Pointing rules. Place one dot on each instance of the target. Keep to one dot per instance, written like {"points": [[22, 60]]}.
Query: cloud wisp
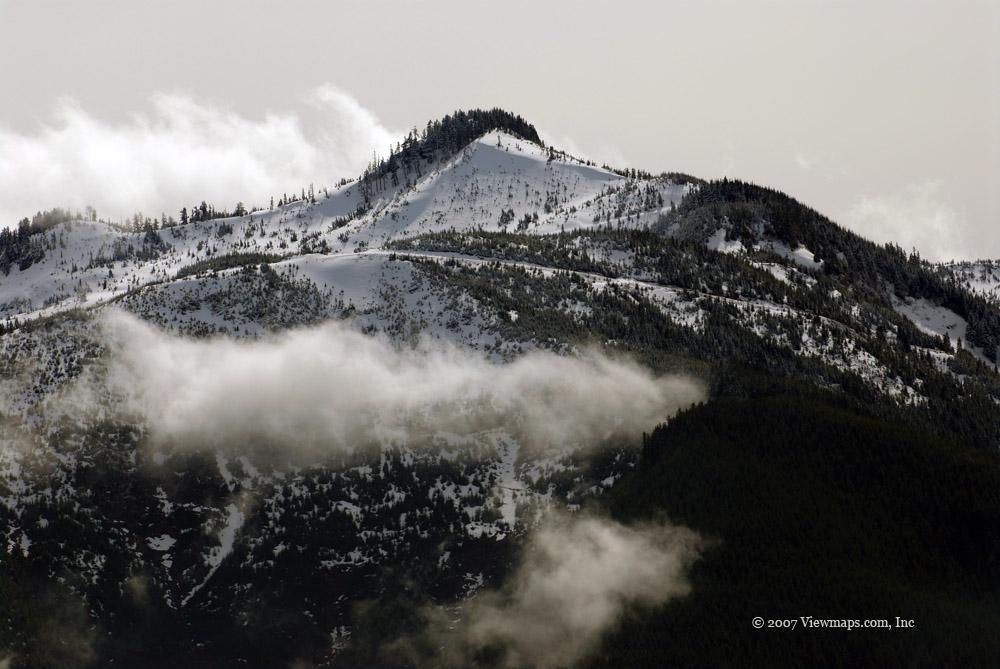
{"points": [[915, 217], [333, 388], [184, 151], [578, 576]]}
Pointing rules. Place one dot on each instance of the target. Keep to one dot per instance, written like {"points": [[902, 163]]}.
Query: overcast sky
{"points": [[883, 114]]}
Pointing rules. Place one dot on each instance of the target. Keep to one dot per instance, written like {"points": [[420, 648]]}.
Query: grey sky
{"points": [[884, 115]]}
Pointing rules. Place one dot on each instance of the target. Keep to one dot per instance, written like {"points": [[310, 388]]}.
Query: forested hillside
{"points": [[424, 416]]}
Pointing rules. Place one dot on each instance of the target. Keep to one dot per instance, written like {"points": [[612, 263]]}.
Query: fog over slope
{"points": [[579, 575], [330, 387]]}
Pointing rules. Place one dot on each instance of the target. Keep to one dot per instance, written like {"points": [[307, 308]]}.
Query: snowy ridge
{"points": [[89, 264]]}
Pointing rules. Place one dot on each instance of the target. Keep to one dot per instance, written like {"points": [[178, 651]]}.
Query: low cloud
{"points": [[182, 152], [330, 387], [915, 217], [605, 154], [579, 576]]}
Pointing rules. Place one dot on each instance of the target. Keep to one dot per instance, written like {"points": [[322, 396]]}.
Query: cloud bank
{"points": [[182, 152], [330, 387], [578, 577]]}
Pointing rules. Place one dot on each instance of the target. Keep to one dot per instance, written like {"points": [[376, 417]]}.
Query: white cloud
{"points": [[605, 154], [728, 164], [577, 578], [182, 152], [804, 163], [330, 387], [916, 216]]}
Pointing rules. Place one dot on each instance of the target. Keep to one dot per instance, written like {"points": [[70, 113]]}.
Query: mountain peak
{"points": [[447, 136], [462, 126]]}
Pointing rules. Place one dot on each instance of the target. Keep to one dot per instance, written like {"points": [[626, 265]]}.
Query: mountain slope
{"points": [[473, 242]]}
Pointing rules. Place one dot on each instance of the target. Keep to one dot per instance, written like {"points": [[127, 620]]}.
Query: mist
{"points": [[917, 216], [578, 577], [183, 151], [331, 388]]}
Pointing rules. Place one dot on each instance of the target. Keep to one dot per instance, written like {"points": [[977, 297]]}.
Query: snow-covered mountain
{"points": [[497, 183], [498, 249]]}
